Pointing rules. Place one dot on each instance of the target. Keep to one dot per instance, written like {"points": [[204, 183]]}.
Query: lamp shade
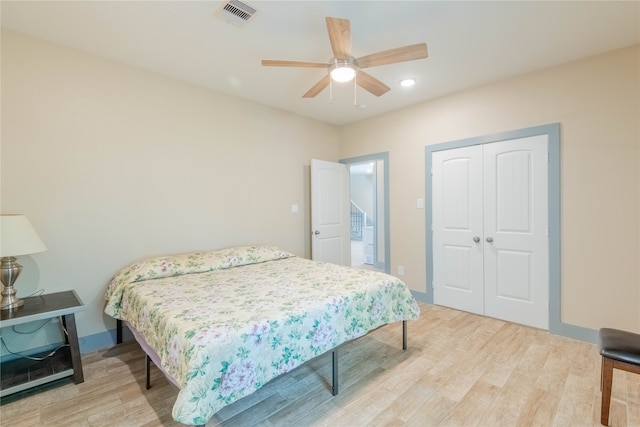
{"points": [[17, 236]]}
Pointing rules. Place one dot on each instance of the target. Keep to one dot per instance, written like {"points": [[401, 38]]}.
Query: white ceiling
{"points": [[469, 43]]}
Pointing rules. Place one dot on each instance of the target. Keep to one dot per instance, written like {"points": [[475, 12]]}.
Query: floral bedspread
{"points": [[224, 323]]}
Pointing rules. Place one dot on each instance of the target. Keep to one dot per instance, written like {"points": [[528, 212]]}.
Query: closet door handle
{"points": [[476, 239], [489, 239]]}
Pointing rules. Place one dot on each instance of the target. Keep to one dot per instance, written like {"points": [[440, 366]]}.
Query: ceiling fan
{"points": [[344, 67]]}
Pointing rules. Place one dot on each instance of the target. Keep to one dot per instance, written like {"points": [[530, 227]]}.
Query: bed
{"points": [[221, 324]]}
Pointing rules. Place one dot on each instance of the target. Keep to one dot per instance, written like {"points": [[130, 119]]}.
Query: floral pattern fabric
{"points": [[225, 323]]}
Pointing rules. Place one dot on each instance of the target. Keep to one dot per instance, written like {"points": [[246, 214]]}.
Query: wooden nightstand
{"points": [[22, 374]]}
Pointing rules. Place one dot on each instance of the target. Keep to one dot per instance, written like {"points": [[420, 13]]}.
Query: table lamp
{"points": [[17, 237]]}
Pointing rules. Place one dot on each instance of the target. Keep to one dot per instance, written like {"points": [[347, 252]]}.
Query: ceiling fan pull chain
{"points": [[355, 91], [330, 90]]}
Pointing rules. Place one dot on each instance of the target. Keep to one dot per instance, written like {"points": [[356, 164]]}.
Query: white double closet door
{"points": [[490, 230]]}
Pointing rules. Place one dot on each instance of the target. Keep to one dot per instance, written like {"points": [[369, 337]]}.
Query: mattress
{"points": [[224, 323]]}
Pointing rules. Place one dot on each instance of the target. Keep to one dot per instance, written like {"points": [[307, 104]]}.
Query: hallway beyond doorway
{"points": [[358, 257]]}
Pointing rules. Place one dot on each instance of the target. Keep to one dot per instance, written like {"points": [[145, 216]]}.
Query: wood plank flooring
{"points": [[459, 370]]}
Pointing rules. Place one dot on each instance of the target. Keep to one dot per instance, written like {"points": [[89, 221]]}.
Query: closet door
{"points": [[457, 229], [490, 230], [516, 257]]}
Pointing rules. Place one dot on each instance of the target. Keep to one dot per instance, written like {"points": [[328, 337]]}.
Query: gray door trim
{"points": [[556, 326]]}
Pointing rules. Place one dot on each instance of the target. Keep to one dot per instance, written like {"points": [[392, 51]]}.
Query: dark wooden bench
{"points": [[619, 350]]}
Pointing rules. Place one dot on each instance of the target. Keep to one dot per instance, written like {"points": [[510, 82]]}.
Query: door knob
{"points": [[476, 239], [489, 239], [316, 232]]}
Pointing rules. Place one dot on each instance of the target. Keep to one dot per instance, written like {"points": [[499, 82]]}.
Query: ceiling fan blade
{"points": [[371, 84], [400, 54], [278, 63], [340, 37], [317, 88]]}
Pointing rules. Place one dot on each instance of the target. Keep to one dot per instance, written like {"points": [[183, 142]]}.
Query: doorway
{"points": [[369, 225]]}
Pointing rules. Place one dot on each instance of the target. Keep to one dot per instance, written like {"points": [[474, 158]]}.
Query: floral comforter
{"points": [[224, 323]]}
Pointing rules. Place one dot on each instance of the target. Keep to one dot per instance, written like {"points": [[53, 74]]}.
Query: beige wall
{"points": [[597, 103], [112, 163]]}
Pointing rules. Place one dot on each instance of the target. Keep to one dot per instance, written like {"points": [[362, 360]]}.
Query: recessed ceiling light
{"points": [[407, 82]]}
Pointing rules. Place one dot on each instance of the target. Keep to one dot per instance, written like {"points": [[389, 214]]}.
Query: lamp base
{"points": [[9, 272], [10, 302]]}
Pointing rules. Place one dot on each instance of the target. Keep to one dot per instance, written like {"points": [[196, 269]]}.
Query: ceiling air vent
{"points": [[235, 12]]}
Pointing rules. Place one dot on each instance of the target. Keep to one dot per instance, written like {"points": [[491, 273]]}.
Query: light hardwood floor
{"points": [[459, 370]]}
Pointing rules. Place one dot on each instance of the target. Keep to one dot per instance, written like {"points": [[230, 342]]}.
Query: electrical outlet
{"points": [[400, 270]]}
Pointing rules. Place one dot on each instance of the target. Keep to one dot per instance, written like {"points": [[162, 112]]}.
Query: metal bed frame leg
{"points": [[118, 331], [334, 361], [404, 334], [148, 369]]}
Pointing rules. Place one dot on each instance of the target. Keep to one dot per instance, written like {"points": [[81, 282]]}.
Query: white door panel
{"points": [[330, 240], [457, 217], [516, 218]]}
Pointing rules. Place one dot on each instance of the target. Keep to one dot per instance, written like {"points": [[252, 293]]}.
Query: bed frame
{"points": [[334, 356]]}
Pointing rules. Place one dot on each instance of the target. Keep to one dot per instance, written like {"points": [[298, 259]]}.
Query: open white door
{"points": [[330, 241]]}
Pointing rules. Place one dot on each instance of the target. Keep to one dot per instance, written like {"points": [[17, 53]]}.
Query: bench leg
{"points": [[601, 373], [607, 380]]}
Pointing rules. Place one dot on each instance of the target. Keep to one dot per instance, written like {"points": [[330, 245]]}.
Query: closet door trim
{"points": [[556, 326]]}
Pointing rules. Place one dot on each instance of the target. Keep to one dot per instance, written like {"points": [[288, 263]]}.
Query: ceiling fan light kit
{"points": [[343, 70], [343, 67]]}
